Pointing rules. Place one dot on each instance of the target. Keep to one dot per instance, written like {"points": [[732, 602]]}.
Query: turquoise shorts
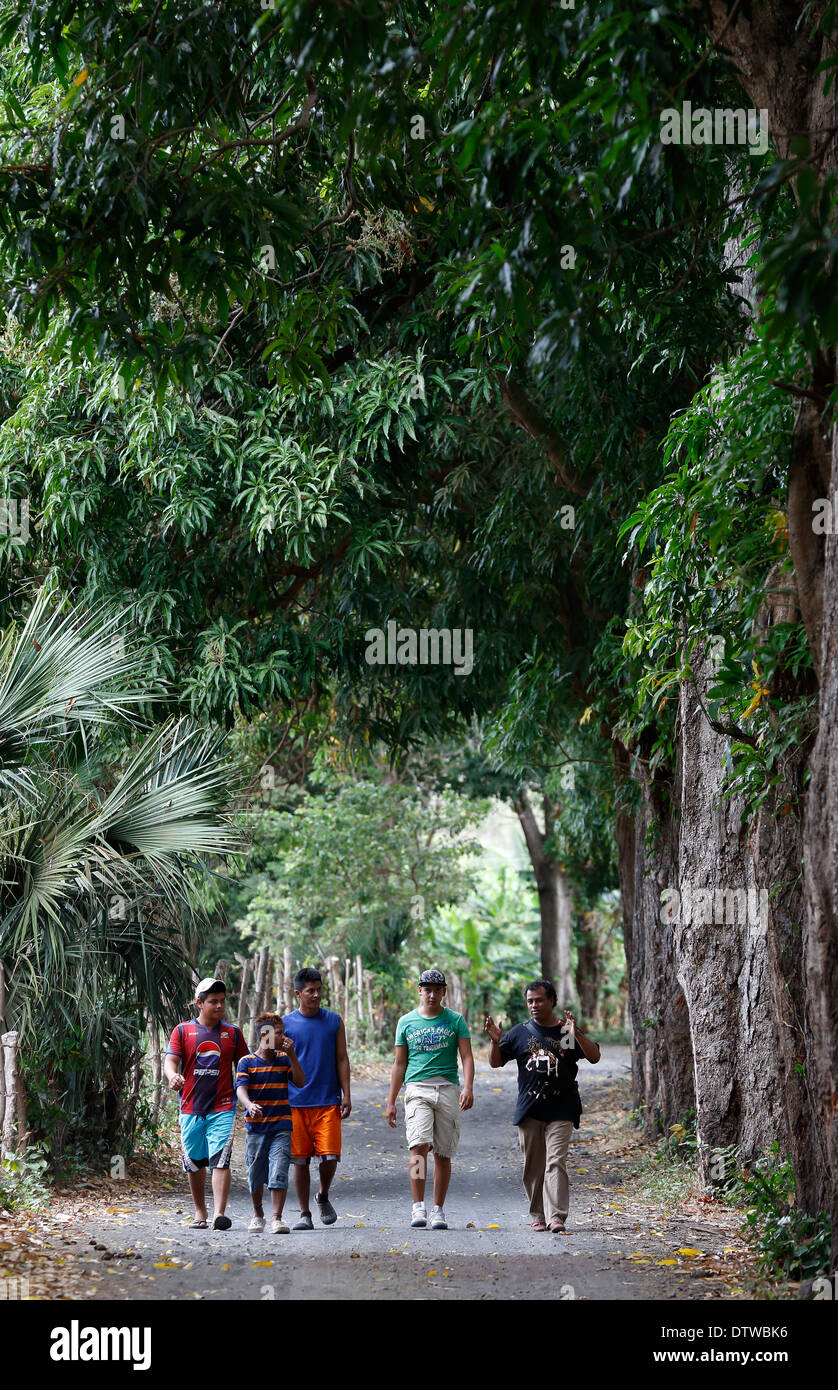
{"points": [[206, 1141]]}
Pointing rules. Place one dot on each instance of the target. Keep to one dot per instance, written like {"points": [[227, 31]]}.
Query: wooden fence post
{"points": [[359, 990], [156, 1069], [258, 993], [290, 1001], [2, 1049], [245, 964], [267, 992], [7, 1140], [370, 1011], [347, 1017]]}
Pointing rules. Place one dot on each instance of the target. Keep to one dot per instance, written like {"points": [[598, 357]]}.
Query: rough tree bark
{"points": [[589, 971], [662, 1060], [727, 960], [777, 50]]}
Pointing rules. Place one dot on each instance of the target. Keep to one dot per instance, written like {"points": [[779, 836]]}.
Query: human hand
{"points": [[253, 1109], [466, 1099], [390, 1115], [493, 1029], [346, 1108], [177, 1082]]}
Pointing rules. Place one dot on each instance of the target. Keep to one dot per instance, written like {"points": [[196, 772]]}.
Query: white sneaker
{"points": [[438, 1222], [279, 1228], [257, 1223], [420, 1215]]}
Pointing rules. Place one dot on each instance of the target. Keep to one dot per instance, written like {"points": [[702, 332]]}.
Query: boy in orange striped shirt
{"points": [[262, 1087]]}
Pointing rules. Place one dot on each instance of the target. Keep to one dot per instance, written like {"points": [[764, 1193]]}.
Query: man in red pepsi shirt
{"points": [[201, 1063]]}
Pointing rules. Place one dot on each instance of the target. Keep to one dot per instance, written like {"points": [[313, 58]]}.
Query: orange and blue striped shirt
{"points": [[267, 1085]]}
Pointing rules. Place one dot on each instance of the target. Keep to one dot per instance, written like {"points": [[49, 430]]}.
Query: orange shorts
{"points": [[316, 1132]]}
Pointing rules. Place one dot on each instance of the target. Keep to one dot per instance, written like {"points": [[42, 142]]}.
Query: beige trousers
{"points": [[544, 1145]]}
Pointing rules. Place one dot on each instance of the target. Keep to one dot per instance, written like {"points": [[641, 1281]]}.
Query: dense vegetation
{"points": [[320, 319]]}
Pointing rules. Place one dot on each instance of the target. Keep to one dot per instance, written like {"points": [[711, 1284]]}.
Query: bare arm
{"points": [[588, 1046], [342, 1063], [298, 1076], [467, 1093], [250, 1106], [396, 1081], [174, 1075]]}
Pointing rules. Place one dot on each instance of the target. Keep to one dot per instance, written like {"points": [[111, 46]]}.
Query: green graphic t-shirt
{"points": [[431, 1044]]}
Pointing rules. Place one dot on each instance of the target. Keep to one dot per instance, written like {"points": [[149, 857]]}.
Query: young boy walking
{"points": [[262, 1087], [200, 1064], [428, 1041]]}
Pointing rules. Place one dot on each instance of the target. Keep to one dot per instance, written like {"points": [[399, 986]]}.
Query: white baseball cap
{"points": [[208, 985]]}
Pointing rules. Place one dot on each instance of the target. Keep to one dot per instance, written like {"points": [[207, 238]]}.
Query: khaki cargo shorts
{"points": [[433, 1116]]}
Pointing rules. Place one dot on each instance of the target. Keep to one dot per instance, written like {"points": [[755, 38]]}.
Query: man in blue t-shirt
{"points": [[317, 1108]]}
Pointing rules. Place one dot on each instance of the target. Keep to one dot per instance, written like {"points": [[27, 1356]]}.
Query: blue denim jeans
{"points": [[267, 1154]]}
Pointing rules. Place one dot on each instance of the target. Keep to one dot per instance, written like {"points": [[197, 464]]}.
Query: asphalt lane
{"points": [[488, 1252]]}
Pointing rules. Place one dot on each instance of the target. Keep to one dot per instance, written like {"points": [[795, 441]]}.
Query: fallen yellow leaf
{"points": [[260, 1264], [431, 1273], [493, 1228], [666, 1262], [689, 1253]]}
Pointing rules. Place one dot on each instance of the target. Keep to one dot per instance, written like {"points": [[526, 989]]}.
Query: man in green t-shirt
{"points": [[428, 1042]]}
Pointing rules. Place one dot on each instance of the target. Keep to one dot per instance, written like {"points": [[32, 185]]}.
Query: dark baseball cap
{"points": [[432, 977]]}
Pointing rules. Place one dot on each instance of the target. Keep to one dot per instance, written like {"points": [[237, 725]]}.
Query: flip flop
{"points": [[199, 1224]]}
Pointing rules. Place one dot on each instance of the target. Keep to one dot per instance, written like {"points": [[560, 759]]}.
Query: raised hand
{"points": [[493, 1029]]}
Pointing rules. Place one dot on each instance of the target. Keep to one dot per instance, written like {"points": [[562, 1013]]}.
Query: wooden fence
{"points": [[267, 985]]}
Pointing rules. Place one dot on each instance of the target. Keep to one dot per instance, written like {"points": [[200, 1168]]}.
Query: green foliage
{"points": [[715, 534], [25, 1179], [356, 866], [790, 1243], [681, 1142], [493, 941], [97, 865]]}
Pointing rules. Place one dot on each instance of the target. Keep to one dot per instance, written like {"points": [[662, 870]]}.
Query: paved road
{"points": [[489, 1252]]}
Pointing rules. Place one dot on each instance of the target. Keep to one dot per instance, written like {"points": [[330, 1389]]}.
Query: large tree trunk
{"points": [[777, 48], [662, 1060], [589, 971], [726, 946], [820, 933], [555, 901]]}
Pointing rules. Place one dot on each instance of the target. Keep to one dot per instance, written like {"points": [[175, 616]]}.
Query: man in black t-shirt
{"points": [[546, 1050]]}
